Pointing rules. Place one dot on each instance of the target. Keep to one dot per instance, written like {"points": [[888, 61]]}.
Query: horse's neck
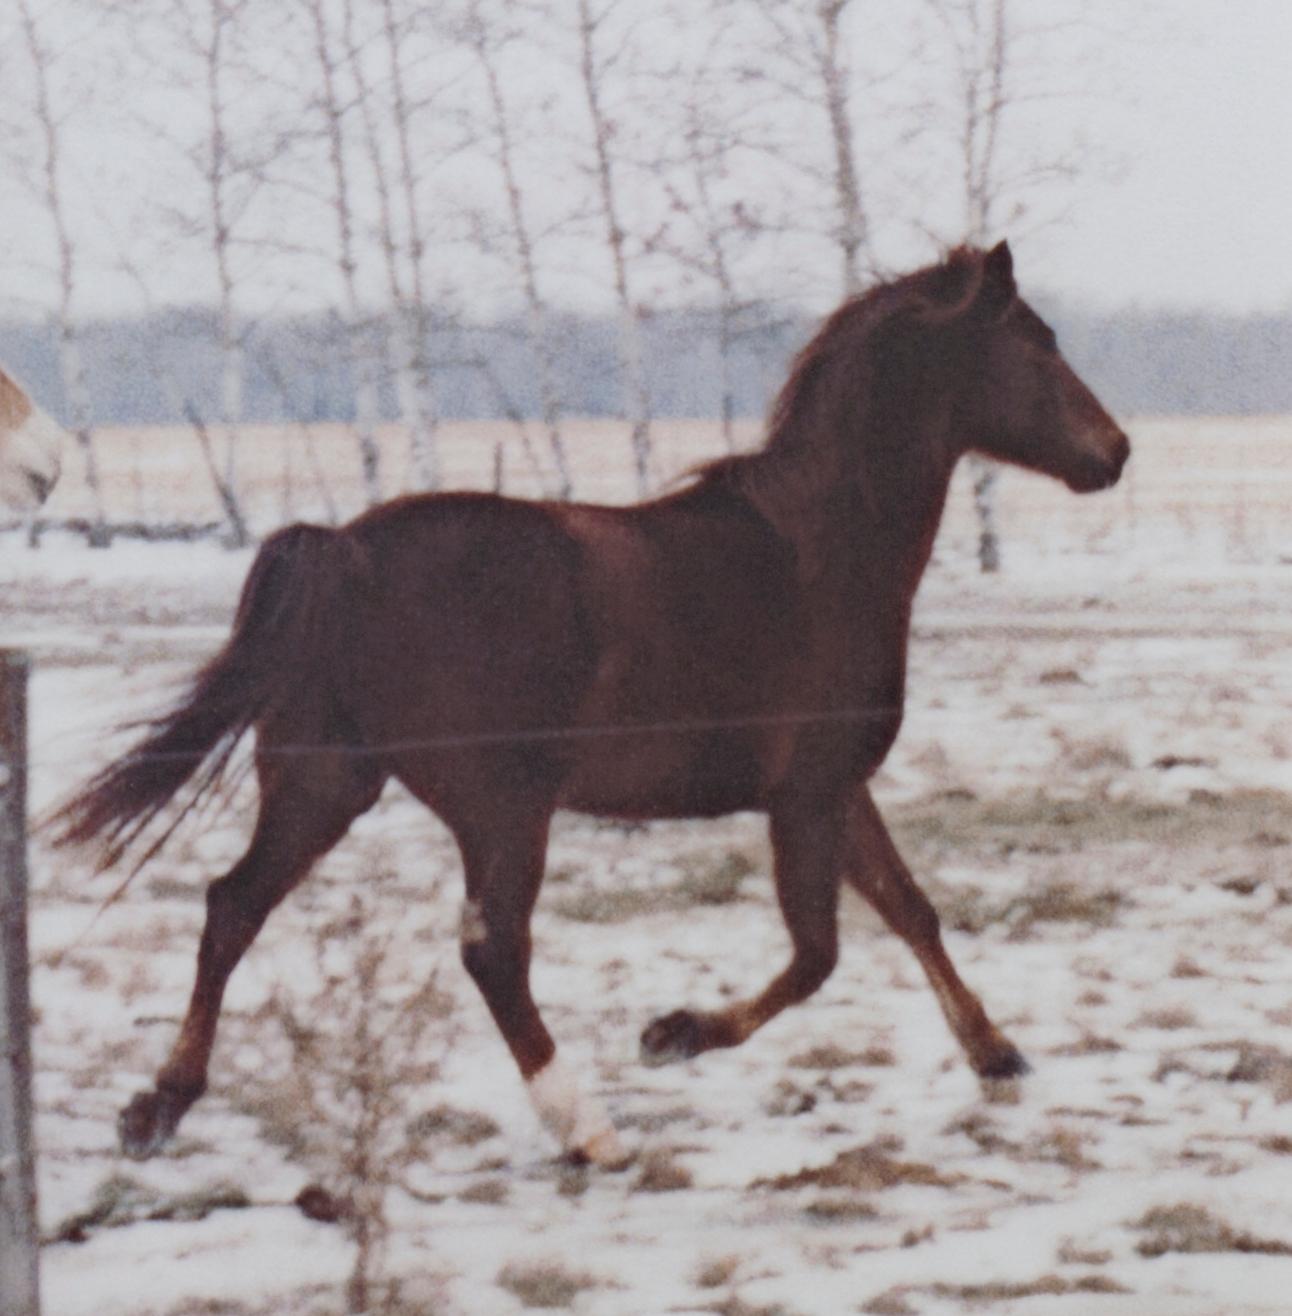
{"points": [[883, 534]]}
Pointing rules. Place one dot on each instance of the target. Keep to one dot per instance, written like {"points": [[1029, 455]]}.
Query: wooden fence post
{"points": [[19, 1239]]}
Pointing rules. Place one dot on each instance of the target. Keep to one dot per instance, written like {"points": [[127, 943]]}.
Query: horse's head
{"points": [[31, 449], [1017, 398]]}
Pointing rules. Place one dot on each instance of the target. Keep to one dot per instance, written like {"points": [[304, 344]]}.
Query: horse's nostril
{"points": [[1122, 452]]}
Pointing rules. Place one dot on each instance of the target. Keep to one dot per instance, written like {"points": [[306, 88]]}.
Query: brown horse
{"points": [[737, 644]]}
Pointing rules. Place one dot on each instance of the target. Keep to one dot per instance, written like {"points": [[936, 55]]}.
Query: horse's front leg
{"points": [[877, 871], [807, 837]]}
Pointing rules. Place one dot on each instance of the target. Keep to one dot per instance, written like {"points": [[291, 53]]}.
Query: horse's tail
{"points": [[289, 622]]}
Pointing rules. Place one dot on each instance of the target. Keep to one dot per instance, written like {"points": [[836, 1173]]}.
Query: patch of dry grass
{"points": [[735, 1305], [1070, 1254], [970, 909], [930, 829], [714, 1272], [1257, 1063], [840, 1210], [1188, 1227], [1047, 1286], [828, 1056], [1088, 1044], [892, 1302], [545, 1285], [1169, 1018], [717, 882], [865, 1169], [487, 1192], [1061, 1145], [448, 1123], [122, 1200], [661, 1172]]}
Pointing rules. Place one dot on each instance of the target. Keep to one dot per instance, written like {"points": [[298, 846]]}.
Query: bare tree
{"points": [[331, 105], [221, 14], [487, 34], [396, 190], [71, 368], [993, 79], [206, 28], [597, 63], [808, 62], [713, 222]]}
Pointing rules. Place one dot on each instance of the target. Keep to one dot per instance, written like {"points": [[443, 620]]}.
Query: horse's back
{"points": [[625, 658], [471, 641]]}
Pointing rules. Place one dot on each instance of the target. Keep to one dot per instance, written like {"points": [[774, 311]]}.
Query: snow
{"points": [[1106, 726]]}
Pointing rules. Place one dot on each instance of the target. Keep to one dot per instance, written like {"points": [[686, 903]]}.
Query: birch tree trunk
{"points": [[637, 406], [808, 62], [483, 43], [217, 178], [356, 325], [71, 372], [980, 39], [834, 74], [414, 380]]}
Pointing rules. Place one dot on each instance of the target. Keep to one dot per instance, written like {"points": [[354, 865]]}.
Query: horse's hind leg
{"points": [[503, 857], [306, 805], [876, 869], [806, 840]]}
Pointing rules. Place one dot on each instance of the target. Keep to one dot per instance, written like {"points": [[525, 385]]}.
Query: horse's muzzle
{"points": [[1101, 469]]}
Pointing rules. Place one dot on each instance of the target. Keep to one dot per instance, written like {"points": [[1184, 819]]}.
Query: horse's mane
{"points": [[840, 384]]}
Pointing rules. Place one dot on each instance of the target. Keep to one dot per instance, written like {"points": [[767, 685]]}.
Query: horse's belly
{"points": [[667, 772]]}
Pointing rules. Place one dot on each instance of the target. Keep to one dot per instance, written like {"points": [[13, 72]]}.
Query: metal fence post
{"points": [[19, 1239]]}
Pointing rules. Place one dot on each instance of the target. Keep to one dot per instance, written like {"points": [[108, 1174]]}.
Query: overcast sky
{"points": [[1202, 215], [1190, 205]]}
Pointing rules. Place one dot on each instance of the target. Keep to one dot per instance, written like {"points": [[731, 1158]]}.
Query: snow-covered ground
{"points": [[1095, 783]]}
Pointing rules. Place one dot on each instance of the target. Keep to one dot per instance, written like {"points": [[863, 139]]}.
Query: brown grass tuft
{"points": [[892, 1302], [661, 1172], [1048, 1286], [829, 1056], [839, 1210], [487, 1192], [545, 1284], [1188, 1227], [1169, 1018], [865, 1169], [467, 1127], [716, 1271]]}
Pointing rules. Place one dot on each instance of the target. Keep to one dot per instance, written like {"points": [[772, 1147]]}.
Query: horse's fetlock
{"points": [[815, 960]]}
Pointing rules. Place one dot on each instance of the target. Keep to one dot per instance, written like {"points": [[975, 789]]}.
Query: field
{"points": [[1094, 782]]}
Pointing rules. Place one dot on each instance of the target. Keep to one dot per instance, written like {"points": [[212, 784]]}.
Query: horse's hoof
{"points": [[1006, 1062], [676, 1036], [145, 1126], [604, 1152]]}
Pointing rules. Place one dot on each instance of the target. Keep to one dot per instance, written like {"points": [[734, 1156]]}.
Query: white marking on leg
{"points": [[577, 1120], [472, 928]]}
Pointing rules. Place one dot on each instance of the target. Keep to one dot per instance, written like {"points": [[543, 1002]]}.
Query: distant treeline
{"points": [[155, 369]]}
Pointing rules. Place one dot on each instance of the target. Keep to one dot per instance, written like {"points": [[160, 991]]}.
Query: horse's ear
{"points": [[997, 290]]}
